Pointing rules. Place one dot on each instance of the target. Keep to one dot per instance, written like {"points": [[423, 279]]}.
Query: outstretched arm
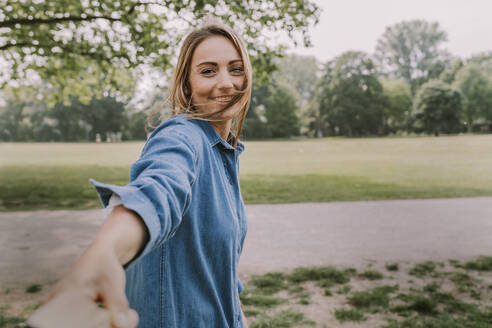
{"points": [[97, 277]]}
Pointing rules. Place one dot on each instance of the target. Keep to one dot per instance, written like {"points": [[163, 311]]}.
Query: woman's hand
{"points": [[97, 278]]}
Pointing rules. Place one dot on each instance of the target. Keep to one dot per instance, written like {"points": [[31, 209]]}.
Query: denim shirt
{"points": [[185, 187]]}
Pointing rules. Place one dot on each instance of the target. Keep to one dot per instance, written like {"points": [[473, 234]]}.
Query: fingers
{"points": [[115, 301], [128, 319], [70, 309]]}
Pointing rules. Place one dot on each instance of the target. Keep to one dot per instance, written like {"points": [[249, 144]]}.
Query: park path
{"points": [[36, 247]]}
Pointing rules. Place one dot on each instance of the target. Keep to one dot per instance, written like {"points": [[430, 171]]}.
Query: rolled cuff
{"points": [[133, 199]]}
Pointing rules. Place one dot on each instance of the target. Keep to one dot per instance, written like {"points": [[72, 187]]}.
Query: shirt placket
{"points": [[229, 160]]}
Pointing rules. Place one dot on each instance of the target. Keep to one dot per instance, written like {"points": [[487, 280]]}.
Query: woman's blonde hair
{"points": [[180, 92]]}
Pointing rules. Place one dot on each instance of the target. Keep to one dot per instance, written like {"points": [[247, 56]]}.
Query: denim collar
{"points": [[215, 139]]}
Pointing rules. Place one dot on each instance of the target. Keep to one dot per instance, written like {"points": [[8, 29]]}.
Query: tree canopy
{"points": [[64, 38], [476, 88], [437, 108], [410, 50], [351, 99]]}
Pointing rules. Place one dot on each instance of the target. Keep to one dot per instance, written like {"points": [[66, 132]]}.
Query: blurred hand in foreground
{"points": [[96, 278]]}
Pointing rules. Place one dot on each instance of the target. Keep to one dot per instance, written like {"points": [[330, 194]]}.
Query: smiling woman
{"points": [[215, 82], [167, 255]]}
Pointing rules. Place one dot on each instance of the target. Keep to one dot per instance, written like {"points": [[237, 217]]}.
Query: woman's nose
{"points": [[225, 81]]}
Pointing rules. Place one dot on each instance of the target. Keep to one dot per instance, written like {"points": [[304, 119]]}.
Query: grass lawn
{"points": [[55, 175]]}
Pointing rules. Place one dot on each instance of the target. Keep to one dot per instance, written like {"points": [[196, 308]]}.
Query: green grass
{"points": [[421, 304], [372, 300], [260, 300], [343, 315], [463, 281], [284, 319], [269, 283], [326, 276], [344, 290], [34, 288], [371, 275], [483, 263], [9, 321], [423, 269], [55, 175], [392, 267]]}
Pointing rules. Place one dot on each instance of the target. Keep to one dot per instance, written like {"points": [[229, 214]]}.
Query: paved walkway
{"points": [[39, 246]]}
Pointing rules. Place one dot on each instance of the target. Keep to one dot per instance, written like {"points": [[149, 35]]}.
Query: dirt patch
{"points": [[445, 292]]}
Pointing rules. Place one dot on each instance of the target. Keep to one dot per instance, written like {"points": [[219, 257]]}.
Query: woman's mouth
{"points": [[223, 99]]}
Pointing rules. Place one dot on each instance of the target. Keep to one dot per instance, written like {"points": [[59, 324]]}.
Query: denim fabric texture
{"points": [[185, 187]]}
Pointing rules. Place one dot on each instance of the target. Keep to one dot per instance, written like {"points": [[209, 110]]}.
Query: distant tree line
{"points": [[410, 84]]}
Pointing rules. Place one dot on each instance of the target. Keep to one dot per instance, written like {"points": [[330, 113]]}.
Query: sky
{"points": [[357, 24]]}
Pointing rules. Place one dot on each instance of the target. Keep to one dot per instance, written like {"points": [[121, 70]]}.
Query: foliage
{"points": [[255, 123], [397, 111], [67, 39], [32, 120], [272, 113], [484, 60], [410, 50], [280, 112], [476, 89], [300, 74], [437, 108], [351, 96], [449, 73]]}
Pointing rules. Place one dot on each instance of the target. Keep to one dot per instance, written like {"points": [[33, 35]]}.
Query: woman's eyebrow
{"points": [[215, 64]]}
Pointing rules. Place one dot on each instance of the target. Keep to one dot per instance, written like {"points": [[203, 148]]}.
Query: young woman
{"points": [[177, 229]]}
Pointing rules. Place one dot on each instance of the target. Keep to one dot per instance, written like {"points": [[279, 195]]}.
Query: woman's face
{"points": [[216, 76]]}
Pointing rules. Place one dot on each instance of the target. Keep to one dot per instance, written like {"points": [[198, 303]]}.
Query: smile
{"points": [[223, 99]]}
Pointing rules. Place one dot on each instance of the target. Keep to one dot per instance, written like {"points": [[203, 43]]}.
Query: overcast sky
{"points": [[357, 24]]}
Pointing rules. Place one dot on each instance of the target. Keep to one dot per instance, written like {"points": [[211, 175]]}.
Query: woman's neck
{"points": [[222, 128]]}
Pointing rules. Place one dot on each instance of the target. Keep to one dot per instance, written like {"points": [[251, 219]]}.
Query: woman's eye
{"points": [[237, 70], [207, 71]]}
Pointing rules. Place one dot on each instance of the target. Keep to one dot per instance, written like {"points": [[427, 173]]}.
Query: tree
{"points": [[399, 106], [104, 116], [351, 99], [280, 111], [449, 74], [476, 88], [63, 38], [18, 106], [437, 108], [411, 51], [255, 122], [301, 73], [484, 60]]}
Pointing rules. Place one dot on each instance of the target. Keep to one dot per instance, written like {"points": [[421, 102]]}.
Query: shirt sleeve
{"points": [[240, 286], [160, 185], [114, 201]]}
